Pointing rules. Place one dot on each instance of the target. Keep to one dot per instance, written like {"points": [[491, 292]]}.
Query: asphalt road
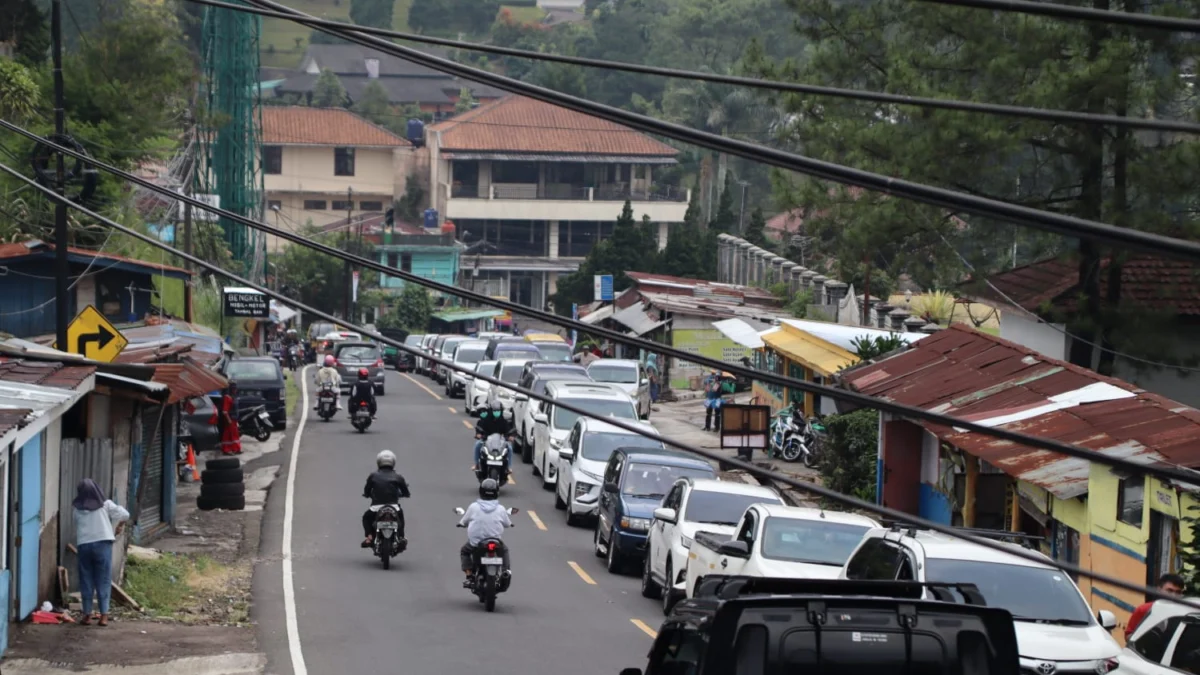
{"points": [[563, 613]]}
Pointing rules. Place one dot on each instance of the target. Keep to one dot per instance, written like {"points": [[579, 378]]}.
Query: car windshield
{"points": [[511, 373], [413, 340], [721, 508], [604, 407], [613, 373], [449, 345], [554, 351], [810, 541], [517, 351], [253, 370], [485, 368], [539, 385], [1045, 595], [653, 481], [358, 353], [599, 446], [469, 354]]}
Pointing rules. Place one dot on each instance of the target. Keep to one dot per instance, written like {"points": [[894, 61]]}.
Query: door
{"points": [[29, 516], [541, 434], [150, 513], [665, 537], [5, 564]]}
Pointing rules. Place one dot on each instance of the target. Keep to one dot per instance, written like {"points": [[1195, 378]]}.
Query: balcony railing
{"points": [[611, 192]]}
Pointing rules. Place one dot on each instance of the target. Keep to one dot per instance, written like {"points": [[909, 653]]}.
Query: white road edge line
{"points": [[289, 587]]}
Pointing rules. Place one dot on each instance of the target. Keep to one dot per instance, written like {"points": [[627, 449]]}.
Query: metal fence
{"points": [[81, 458]]}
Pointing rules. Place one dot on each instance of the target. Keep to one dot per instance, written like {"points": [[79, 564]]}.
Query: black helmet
{"points": [[496, 407], [489, 489]]}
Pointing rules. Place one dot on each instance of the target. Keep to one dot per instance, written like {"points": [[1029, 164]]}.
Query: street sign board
{"points": [[246, 303], [92, 336], [602, 287], [206, 216]]}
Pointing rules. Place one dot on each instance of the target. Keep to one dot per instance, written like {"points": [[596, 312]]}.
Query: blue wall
{"points": [[437, 263], [934, 505]]}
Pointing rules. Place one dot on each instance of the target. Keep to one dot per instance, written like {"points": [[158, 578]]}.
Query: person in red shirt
{"points": [[1167, 583], [226, 419]]}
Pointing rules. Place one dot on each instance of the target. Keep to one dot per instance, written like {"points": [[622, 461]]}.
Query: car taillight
{"points": [[379, 363], [491, 547]]}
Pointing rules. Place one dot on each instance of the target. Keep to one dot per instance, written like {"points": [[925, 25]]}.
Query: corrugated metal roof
{"points": [[844, 336], [810, 350], [635, 319], [715, 308], [598, 315], [187, 379], [31, 389], [45, 373], [983, 378]]}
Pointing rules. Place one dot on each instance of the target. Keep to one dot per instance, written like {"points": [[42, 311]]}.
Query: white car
{"points": [[554, 424], [581, 463], [446, 353], [424, 364], [693, 504], [476, 397], [534, 378], [506, 370], [466, 355], [627, 374], [1056, 631], [1166, 642]]}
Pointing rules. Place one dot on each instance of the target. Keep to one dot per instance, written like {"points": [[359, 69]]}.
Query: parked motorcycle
{"points": [[388, 544], [327, 399], [793, 441], [361, 418], [489, 578], [495, 460], [255, 422]]}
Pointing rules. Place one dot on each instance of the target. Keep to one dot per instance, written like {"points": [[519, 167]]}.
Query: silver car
{"points": [[351, 356]]}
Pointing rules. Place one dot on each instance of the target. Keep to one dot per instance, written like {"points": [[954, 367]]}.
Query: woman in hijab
{"points": [[95, 517]]}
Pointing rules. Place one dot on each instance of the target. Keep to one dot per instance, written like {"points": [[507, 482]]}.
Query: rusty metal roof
{"points": [[985, 379], [13, 418], [152, 353], [45, 373], [187, 379]]}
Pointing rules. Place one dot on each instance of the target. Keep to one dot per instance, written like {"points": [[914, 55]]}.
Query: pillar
{"points": [[930, 328], [777, 269], [787, 277], [806, 280], [742, 252], [552, 239], [913, 324], [881, 314], [818, 289], [663, 232], [552, 282], [723, 258], [836, 291], [897, 317]]}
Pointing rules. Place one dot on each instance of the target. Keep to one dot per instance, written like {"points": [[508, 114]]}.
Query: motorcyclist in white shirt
{"points": [[328, 374]]}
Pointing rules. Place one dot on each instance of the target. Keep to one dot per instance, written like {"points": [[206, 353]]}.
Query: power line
{"points": [[640, 430], [1044, 114], [855, 398], [925, 194], [1057, 11]]}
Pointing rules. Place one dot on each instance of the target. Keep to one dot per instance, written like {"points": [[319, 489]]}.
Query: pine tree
{"points": [[682, 256], [328, 91], [756, 229], [375, 13], [725, 220], [630, 249], [374, 105]]}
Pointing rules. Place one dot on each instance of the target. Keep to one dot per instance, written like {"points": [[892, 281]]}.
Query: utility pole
{"points": [[61, 267], [346, 267], [742, 213]]}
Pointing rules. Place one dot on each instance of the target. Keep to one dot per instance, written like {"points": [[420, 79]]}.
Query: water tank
{"points": [[415, 132], [431, 219]]}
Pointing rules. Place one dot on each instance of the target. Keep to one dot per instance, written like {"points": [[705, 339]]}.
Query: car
{"points": [[203, 433], [1056, 631], [406, 360], [692, 504], [629, 375], [352, 356], [434, 349], [495, 342], [260, 381], [1165, 642], [582, 460], [635, 482], [506, 370], [551, 346], [552, 423], [426, 344], [516, 350], [446, 353], [466, 355], [534, 378], [476, 397]]}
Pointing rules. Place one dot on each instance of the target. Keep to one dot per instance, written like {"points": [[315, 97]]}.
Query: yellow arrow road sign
{"points": [[93, 336]]}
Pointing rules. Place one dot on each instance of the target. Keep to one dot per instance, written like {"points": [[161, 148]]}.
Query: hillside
{"points": [[284, 42]]}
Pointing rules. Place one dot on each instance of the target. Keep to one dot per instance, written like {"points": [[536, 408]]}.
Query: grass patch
{"points": [[278, 46], [291, 391], [526, 14], [188, 589]]}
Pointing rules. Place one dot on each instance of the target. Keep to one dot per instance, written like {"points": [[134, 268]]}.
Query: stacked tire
{"points": [[222, 485]]}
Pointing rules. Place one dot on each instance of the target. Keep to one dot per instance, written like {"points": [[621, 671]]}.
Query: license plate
{"points": [[492, 561], [495, 462], [387, 528], [264, 417]]}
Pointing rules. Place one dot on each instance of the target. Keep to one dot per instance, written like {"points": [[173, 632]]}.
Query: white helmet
{"points": [[385, 458]]}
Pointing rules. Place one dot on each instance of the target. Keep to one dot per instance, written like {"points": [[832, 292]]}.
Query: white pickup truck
{"points": [[778, 541]]}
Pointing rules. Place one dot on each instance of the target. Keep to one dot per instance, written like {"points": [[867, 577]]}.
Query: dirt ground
{"points": [[126, 643]]}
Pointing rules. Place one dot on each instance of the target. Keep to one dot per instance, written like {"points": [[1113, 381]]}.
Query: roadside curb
{"points": [[222, 664]]}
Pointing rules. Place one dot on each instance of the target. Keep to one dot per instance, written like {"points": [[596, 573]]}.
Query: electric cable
{"points": [[926, 194], [1043, 114], [855, 398], [758, 472], [1057, 11]]}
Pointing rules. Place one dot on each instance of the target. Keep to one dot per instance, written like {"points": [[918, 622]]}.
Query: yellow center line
{"points": [[427, 389], [468, 424], [645, 629], [537, 521], [451, 409], [587, 579]]}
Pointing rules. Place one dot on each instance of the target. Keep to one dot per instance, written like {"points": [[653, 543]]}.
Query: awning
{"points": [[599, 315], [635, 319], [468, 315], [740, 332], [155, 390], [810, 351], [281, 313], [187, 379]]}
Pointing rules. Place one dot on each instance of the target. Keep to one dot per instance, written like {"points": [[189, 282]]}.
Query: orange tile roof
{"points": [[300, 125], [519, 124]]}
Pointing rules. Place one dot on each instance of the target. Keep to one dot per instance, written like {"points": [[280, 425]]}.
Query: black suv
{"points": [[769, 626]]}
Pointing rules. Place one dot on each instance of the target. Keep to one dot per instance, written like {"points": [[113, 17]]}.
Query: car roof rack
{"points": [[733, 587], [1026, 540]]}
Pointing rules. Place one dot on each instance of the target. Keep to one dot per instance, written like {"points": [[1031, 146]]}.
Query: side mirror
{"points": [[1107, 619], [645, 381], [664, 514], [541, 418], [610, 487], [734, 549], [520, 397], [459, 510], [567, 454]]}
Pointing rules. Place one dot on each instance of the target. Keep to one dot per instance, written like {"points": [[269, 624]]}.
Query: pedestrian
{"points": [[226, 419], [95, 518], [652, 370], [1172, 584], [712, 402]]}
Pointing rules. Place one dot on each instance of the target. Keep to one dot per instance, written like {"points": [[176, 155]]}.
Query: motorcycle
{"points": [[795, 443], [327, 401], [494, 460], [293, 357], [361, 418], [489, 577], [387, 544], [255, 422]]}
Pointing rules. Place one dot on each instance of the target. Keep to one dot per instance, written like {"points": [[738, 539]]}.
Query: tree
{"points": [[725, 220], [375, 13], [849, 453], [375, 106], [632, 248], [408, 206], [682, 256], [19, 93], [411, 310], [466, 101], [872, 347], [318, 279], [328, 91], [755, 231], [24, 25], [452, 16]]}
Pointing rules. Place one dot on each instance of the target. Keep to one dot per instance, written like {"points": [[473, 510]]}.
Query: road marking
{"points": [[468, 424], [451, 409], [645, 629], [587, 579], [427, 389], [289, 586], [537, 521]]}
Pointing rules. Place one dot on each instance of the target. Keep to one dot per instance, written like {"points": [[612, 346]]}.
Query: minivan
{"points": [[260, 382], [553, 423]]}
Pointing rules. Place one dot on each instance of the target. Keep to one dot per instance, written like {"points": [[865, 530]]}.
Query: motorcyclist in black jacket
{"points": [[385, 486], [362, 390], [491, 421]]}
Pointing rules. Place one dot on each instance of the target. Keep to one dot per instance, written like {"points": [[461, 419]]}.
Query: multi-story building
{"points": [[531, 187], [327, 164]]}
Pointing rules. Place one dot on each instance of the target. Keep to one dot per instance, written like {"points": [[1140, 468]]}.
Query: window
{"points": [[405, 262], [598, 447], [876, 559], [393, 259], [370, 206], [1047, 595], [723, 508], [343, 161], [1186, 656], [1130, 496], [811, 541], [274, 204], [314, 204], [272, 160], [343, 205], [680, 653], [746, 534], [1153, 643]]}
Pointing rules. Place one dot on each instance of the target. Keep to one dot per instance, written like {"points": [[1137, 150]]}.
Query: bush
{"points": [[849, 458]]}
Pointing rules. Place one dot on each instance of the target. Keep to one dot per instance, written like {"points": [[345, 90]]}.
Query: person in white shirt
{"points": [[95, 518], [328, 374]]}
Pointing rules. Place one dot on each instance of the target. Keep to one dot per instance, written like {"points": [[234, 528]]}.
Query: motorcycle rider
{"points": [[385, 486], [362, 391], [328, 374], [484, 519], [491, 421]]}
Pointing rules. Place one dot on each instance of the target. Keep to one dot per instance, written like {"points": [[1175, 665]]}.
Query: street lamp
{"points": [[743, 211]]}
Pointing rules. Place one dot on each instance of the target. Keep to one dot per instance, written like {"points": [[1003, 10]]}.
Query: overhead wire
{"points": [[1044, 114], [855, 398], [641, 430], [1057, 11], [925, 194]]}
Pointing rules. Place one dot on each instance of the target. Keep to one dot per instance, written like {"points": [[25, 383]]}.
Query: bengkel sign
{"points": [[246, 304]]}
